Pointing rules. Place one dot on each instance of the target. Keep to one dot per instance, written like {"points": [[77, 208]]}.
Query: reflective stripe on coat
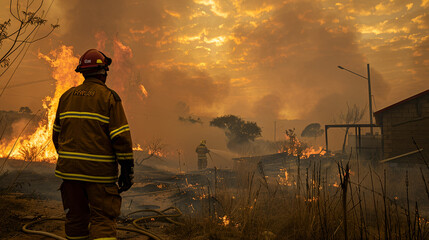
{"points": [[201, 151], [91, 133]]}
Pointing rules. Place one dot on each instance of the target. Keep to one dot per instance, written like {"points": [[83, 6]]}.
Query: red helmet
{"points": [[93, 60]]}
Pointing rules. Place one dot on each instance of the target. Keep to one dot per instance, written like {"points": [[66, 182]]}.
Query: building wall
{"points": [[404, 122]]}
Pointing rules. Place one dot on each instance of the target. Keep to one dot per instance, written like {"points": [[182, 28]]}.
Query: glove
{"points": [[126, 178]]}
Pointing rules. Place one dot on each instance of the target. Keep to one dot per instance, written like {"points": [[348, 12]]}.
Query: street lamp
{"points": [[369, 91]]}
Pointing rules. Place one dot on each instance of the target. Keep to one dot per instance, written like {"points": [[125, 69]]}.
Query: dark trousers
{"points": [[202, 163], [91, 209]]}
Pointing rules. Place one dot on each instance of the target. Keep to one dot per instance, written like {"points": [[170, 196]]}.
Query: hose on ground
{"points": [[137, 228], [26, 230]]}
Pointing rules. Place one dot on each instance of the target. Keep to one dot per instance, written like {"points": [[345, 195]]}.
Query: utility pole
{"points": [[369, 92], [180, 165], [275, 130], [370, 100]]}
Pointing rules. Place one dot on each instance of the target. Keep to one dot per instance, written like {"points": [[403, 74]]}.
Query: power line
{"points": [[29, 83], [29, 44]]}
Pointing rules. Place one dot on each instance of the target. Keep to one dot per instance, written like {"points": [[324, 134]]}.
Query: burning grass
{"points": [[364, 204], [63, 62], [341, 200]]}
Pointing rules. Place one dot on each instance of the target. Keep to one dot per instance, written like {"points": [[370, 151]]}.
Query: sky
{"points": [[264, 61]]}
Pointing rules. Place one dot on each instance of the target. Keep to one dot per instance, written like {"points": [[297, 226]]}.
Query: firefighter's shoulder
{"points": [[115, 95], [68, 92]]}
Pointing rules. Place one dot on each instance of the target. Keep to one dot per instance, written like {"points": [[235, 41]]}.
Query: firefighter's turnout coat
{"points": [[201, 151], [91, 133]]}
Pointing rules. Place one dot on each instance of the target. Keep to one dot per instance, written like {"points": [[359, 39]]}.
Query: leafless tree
{"points": [[353, 115], [20, 30], [155, 149]]}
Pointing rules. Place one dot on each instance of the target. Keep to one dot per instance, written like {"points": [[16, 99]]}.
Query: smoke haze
{"points": [[260, 60]]}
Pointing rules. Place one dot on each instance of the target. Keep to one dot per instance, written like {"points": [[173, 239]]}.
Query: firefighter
{"points": [[202, 151], [92, 136]]}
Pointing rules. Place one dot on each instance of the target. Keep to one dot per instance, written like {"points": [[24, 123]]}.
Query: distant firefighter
{"points": [[202, 151]]}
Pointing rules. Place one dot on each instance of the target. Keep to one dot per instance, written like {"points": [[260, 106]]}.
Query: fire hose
{"points": [[137, 228]]}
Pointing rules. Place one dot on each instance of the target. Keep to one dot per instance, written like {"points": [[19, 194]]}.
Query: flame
{"points": [[143, 89], [63, 63], [156, 153], [312, 199], [295, 147], [101, 38], [225, 220], [309, 151], [120, 47], [122, 66], [200, 197], [138, 148]]}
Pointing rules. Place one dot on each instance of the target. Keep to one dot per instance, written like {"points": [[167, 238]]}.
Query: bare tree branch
{"points": [[154, 149], [26, 19], [29, 21]]}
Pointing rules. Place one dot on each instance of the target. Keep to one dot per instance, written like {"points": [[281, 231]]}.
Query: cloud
{"points": [[268, 107], [421, 61], [422, 21], [381, 28], [375, 8], [273, 45], [194, 87], [296, 53]]}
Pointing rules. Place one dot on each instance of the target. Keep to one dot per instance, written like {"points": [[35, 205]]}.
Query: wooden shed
{"points": [[401, 123]]}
